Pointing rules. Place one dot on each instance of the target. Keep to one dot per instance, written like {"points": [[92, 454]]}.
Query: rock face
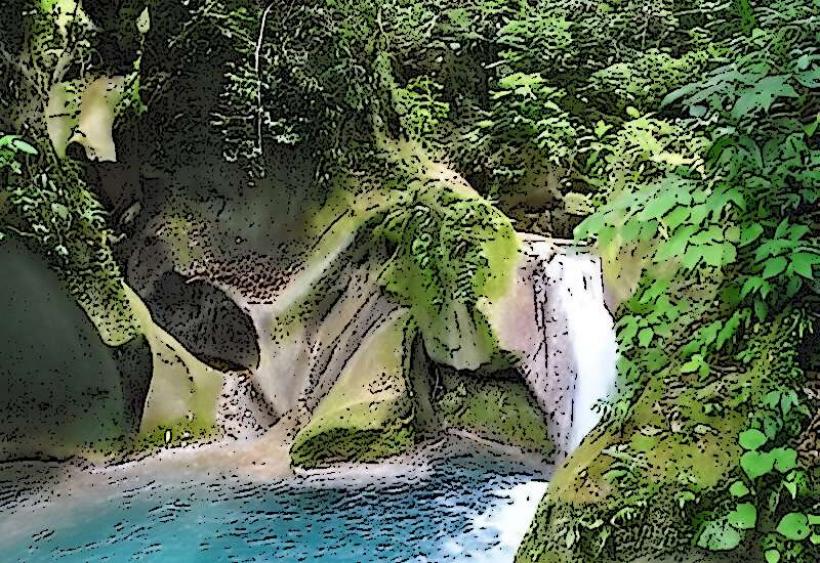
{"points": [[312, 330], [63, 387], [296, 344], [319, 336], [204, 320], [183, 396], [500, 409], [368, 412]]}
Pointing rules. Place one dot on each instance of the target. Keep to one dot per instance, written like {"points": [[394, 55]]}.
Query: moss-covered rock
{"points": [[368, 413], [497, 409], [634, 490], [184, 394]]}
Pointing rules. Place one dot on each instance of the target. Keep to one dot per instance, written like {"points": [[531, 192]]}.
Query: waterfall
{"points": [[581, 336], [566, 336]]}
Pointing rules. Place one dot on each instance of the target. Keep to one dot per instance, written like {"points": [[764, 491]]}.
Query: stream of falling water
{"points": [[593, 342], [584, 346]]}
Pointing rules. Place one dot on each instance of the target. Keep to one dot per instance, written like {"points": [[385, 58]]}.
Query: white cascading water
{"points": [[575, 299], [555, 317]]}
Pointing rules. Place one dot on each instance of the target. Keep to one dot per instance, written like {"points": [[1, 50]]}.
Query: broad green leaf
{"points": [[794, 526], [771, 426], [691, 257], [752, 439], [802, 263], [744, 516], [811, 128], [697, 111], [750, 234], [645, 336], [750, 285], [601, 129], [520, 79], [692, 365], [728, 330], [719, 535], [658, 206], [772, 556], [762, 95], [772, 399], [676, 245], [788, 399], [679, 93], [809, 78], [785, 459], [739, 489], [712, 254], [756, 464], [782, 229], [676, 217], [793, 286], [774, 267], [7, 140]]}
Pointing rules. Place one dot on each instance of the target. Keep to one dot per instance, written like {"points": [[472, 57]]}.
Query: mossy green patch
{"points": [[502, 410], [368, 412], [631, 491]]}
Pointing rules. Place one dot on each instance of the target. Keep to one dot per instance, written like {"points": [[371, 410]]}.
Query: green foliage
{"points": [[50, 209], [420, 109], [774, 495], [686, 132], [452, 250], [700, 165]]}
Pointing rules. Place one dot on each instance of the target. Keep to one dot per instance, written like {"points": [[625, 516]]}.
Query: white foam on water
{"points": [[508, 519]]}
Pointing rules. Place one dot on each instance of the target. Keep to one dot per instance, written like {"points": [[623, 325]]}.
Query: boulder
{"points": [[499, 409], [309, 331], [205, 320], [64, 389], [368, 412]]}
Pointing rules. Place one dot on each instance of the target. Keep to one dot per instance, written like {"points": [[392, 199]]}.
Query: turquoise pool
{"points": [[464, 509]]}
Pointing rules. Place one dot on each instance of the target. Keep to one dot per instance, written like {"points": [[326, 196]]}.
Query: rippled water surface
{"points": [[458, 510]]}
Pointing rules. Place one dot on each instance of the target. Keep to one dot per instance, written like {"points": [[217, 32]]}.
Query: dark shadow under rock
{"points": [[205, 320]]}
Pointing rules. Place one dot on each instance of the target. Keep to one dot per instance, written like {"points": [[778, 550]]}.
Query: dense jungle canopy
{"points": [[679, 139]]}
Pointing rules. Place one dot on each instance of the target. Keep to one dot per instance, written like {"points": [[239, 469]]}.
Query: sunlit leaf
{"points": [[752, 439], [756, 464], [794, 526], [774, 267], [738, 489], [743, 517], [719, 535]]}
